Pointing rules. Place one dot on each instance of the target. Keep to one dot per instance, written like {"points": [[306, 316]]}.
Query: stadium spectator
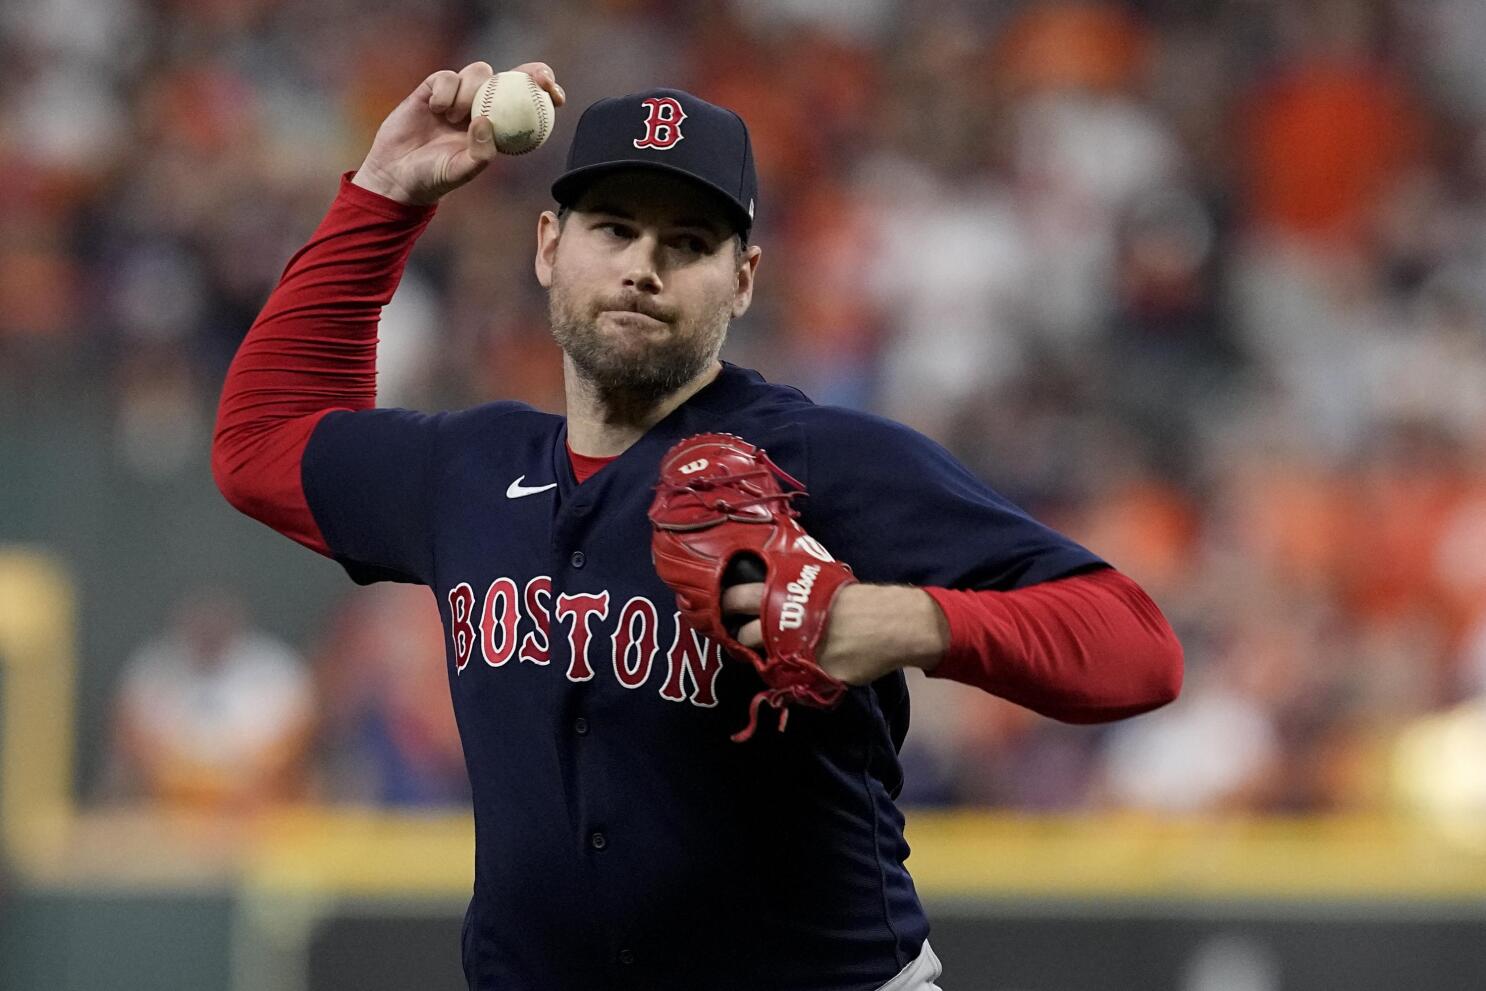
{"points": [[213, 714]]}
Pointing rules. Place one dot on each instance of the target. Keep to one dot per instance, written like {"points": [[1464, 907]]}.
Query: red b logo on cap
{"points": [[663, 123]]}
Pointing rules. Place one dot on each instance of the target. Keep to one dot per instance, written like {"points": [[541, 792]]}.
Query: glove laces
{"points": [[747, 481], [780, 698]]}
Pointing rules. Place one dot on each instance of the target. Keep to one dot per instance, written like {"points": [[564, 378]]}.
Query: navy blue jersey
{"points": [[622, 839]]}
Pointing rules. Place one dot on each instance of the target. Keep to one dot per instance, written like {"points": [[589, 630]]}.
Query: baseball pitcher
{"points": [[677, 617]]}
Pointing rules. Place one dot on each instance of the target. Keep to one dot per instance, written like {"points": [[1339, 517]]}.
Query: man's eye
{"points": [[618, 230], [695, 245]]}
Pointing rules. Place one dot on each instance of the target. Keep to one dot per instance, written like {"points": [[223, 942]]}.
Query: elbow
{"points": [[255, 460], [227, 471], [245, 464], [1156, 664], [258, 473], [1160, 680], [226, 460], [1157, 677], [1167, 666], [1155, 680]]}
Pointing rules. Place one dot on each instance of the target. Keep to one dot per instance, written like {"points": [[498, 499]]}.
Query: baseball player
{"points": [[624, 838]]}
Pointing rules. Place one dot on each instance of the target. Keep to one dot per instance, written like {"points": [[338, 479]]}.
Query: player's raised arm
{"points": [[312, 349]]}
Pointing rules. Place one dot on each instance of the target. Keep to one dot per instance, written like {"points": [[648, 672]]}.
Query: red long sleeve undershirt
{"points": [[313, 349], [1088, 648]]}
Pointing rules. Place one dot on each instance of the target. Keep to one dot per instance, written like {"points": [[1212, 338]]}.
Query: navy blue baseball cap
{"points": [[670, 130]]}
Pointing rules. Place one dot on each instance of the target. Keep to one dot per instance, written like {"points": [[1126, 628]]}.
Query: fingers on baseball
{"points": [[470, 79], [443, 86], [544, 77], [480, 140]]}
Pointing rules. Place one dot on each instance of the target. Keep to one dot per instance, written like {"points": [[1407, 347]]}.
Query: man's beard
{"points": [[634, 376]]}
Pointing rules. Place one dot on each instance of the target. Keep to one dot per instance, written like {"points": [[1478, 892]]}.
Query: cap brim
{"points": [[570, 185]]}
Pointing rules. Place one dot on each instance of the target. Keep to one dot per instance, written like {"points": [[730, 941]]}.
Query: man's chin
{"points": [[633, 391], [630, 356], [632, 345], [641, 376]]}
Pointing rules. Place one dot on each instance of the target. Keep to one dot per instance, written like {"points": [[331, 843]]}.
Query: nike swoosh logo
{"points": [[516, 490]]}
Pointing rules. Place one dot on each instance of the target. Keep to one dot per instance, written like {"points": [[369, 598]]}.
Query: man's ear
{"points": [[743, 287], [549, 232]]}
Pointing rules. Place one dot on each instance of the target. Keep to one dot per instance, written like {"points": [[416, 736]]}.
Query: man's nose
{"points": [[643, 269]]}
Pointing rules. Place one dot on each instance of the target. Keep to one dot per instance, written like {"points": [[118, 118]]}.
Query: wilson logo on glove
{"points": [[797, 597], [720, 499]]}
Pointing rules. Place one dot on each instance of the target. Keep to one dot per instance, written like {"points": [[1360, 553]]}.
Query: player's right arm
{"points": [[312, 350]]}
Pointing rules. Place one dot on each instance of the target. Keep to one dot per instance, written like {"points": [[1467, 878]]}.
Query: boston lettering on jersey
{"points": [[631, 647]]}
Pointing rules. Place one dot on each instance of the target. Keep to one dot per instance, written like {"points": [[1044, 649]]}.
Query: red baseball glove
{"points": [[719, 506]]}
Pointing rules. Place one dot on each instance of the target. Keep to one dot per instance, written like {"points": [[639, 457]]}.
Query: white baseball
{"points": [[519, 110]]}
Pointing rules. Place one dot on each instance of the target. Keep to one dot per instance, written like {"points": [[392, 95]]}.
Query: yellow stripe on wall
{"points": [[1127, 856], [965, 855], [364, 853], [37, 664]]}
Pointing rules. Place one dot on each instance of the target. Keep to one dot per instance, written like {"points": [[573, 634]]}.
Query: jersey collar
{"points": [[728, 392]]}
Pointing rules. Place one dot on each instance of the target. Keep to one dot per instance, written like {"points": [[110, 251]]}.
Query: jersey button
{"points": [[580, 726], [578, 559], [598, 840], [626, 956]]}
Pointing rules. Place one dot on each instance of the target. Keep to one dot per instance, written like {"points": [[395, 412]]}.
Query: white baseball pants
{"points": [[918, 975]]}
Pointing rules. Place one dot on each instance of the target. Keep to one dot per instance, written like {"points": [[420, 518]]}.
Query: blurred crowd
{"points": [[1199, 282], [214, 713]]}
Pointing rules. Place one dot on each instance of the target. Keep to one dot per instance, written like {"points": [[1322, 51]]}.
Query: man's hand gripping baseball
{"points": [[429, 145]]}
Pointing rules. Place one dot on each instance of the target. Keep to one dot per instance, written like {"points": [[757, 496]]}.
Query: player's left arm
{"points": [[1083, 649], [963, 584]]}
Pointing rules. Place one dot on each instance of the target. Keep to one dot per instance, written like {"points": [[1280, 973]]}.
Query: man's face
{"points": [[643, 277]]}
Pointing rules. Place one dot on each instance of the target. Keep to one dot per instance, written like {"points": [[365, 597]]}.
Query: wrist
{"points": [[893, 626], [927, 630], [372, 180]]}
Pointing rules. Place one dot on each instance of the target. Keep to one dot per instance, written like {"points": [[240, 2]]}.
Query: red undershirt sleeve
{"points": [[1084, 649], [312, 349]]}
